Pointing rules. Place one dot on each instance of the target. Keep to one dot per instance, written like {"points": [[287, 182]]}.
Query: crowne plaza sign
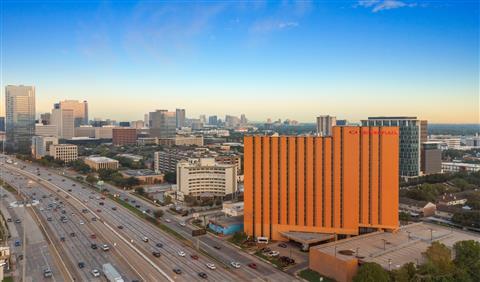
{"points": [[366, 131]]}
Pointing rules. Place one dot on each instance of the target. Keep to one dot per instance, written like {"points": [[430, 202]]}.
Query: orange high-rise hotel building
{"points": [[334, 185]]}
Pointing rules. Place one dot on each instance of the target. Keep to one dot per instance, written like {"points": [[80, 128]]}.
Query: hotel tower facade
{"points": [[335, 185]]}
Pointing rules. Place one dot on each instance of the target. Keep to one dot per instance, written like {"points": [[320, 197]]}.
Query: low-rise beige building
{"points": [[340, 260], [97, 162], [64, 152], [145, 176]]}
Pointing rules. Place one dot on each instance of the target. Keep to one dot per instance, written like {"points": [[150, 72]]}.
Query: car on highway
{"points": [[137, 206], [17, 243], [181, 253], [145, 239], [72, 234], [203, 275], [282, 245], [82, 223], [81, 264], [95, 272], [217, 247], [211, 265], [18, 221], [47, 273], [183, 224], [235, 264], [105, 247], [69, 190], [120, 227], [99, 210], [177, 270], [156, 254], [114, 208], [49, 219], [94, 219], [252, 265], [194, 256], [93, 236], [101, 203], [62, 239], [93, 246], [160, 245], [168, 220], [9, 220]]}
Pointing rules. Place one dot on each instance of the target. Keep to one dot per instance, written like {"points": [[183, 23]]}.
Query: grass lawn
{"points": [[8, 279], [313, 276]]}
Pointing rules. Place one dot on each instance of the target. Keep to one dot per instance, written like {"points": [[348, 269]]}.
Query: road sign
{"points": [[198, 232]]}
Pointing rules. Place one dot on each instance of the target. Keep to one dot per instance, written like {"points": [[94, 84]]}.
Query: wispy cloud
{"points": [[380, 5], [270, 25]]}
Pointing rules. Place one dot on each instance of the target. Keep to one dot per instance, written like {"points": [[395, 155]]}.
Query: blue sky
{"points": [[294, 59]]}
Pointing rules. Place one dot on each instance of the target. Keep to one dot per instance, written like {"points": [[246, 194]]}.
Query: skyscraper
{"points": [[243, 119], [339, 184], [212, 120], [65, 122], [180, 118], [410, 136], [324, 125], [20, 117], [162, 124], [80, 111]]}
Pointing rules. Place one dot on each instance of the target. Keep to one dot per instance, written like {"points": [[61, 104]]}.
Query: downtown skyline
{"points": [[352, 59]]}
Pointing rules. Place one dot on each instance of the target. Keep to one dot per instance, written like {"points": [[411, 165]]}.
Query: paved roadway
{"points": [[226, 254], [135, 229], [37, 251]]}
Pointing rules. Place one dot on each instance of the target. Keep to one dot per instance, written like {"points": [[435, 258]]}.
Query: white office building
{"points": [[41, 145], [64, 152], [205, 177]]}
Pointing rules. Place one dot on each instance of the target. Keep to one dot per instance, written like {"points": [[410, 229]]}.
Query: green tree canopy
{"points": [[371, 272]]}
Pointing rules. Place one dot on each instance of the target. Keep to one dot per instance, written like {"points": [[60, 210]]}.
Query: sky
{"points": [[266, 59]]}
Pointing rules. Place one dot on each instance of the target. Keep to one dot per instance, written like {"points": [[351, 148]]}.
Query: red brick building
{"points": [[124, 136]]}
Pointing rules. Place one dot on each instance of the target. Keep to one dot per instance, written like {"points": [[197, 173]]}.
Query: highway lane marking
{"points": [[108, 226]]}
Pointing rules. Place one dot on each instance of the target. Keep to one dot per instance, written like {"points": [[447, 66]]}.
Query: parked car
{"points": [[177, 270], [282, 245], [95, 272]]}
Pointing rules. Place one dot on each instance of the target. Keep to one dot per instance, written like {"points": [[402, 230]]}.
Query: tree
{"points": [[158, 213], [371, 272], [439, 261], [140, 191], [467, 257], [80, 166], [91, 178], [404, 216], [405, 274], [171, 177], [167, 200]]}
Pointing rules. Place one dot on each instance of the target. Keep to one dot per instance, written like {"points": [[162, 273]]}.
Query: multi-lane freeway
{"points": [[138, 249]]}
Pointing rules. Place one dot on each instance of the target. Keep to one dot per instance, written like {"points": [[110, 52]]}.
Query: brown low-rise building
{"points": [[145, 176]]}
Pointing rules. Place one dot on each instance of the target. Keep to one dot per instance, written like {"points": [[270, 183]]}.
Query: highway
{"points": [[226, 254], [133, 229], [37, 250]]}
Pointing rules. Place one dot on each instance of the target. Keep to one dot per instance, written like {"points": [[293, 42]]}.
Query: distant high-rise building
{"points": [[124, 124], [162, 124], [431, 158], [45, 118], [410, 136], [423, 131], [341, 122], [65, 122], [212, 120], [80, 110], [324, 125], [203, 119], [243, 119], [146, 120], [180, 118], [20, 118], [2, 123], [137, 124], [232, 121]]}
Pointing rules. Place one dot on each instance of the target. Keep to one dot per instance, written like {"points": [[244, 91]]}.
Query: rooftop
{"points": [[395, 249], [99, 159], [139, 172]]}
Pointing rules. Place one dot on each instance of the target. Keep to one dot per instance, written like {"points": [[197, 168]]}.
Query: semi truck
{"points": [[111, 273]]}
